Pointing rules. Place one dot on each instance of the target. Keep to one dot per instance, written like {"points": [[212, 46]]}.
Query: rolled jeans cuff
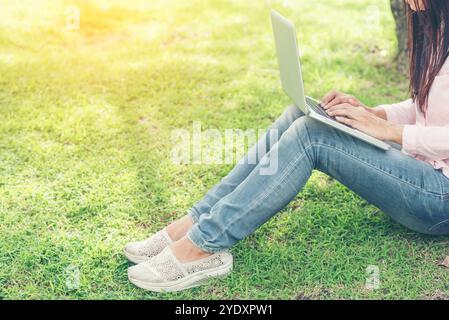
{"points": [[195, 236]]}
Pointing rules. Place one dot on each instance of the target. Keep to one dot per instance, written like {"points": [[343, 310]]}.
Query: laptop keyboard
{"points": [[318, 108]]}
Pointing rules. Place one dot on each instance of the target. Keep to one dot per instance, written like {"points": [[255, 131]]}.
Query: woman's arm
{"points": [[398, 113], [366, 121], [430, 142], [396, 122], [379, 112]]}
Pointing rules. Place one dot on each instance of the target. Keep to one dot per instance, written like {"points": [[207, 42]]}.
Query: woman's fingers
{"points": [[329, 97], [353, 101], [339, 106], [347, 111], [341, 99], [342, 113], [335, 98], [347, 121]]}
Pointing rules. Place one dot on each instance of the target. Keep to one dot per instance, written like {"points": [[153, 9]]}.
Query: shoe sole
{"points": [[188, 282], [134, 258]]}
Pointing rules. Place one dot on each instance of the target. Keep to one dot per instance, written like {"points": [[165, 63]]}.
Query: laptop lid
{"points": [[288, 58]]}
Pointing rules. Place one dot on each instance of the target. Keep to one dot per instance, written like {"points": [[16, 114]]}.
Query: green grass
{"points": [[86, 119]]}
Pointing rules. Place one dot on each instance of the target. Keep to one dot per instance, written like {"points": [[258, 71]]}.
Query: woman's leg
{"points": [[410, 191], [139, 250], [245, 166]]}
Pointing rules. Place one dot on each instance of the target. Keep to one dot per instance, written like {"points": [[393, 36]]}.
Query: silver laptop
{"points": [[293, 85]]}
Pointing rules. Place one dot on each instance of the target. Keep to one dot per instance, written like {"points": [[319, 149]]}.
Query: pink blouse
{"points": [[426, 136]]}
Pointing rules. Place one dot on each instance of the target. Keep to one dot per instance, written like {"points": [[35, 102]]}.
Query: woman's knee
{"points": [[289, 116], [298, 132], [318, 132], [293, 112], [305, 126]]}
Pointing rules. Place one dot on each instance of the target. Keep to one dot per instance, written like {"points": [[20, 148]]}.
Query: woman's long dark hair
{"points": [[429, 46]]}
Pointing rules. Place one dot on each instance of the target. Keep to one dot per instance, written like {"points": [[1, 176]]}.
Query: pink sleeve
{"points": [[401, 113], [430, 142]]}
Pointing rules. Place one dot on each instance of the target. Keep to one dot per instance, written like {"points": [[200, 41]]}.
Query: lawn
{"points": [[87, 116]]}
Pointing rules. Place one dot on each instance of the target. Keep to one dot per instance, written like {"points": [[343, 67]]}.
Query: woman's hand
{"points": [[361, 119], [335, 98]]}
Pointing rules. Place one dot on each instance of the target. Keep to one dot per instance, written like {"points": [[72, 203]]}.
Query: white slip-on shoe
{"points": [[164, 273], [142, 251]]}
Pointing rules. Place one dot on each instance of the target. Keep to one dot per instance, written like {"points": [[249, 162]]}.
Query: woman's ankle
{"points": [[180, 227], [185, 251]]}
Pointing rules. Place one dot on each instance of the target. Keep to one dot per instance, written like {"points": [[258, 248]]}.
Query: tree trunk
{"points": [[398, 9]]}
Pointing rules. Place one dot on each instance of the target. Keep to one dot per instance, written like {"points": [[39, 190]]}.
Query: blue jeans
{"points": [[410, 191]]}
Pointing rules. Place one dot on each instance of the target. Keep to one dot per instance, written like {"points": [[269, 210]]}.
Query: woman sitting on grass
{"points": [[411, 186]]}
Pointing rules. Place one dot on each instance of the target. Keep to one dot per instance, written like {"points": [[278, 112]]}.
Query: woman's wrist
{"points": [[395, 133], [378, 112]]}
